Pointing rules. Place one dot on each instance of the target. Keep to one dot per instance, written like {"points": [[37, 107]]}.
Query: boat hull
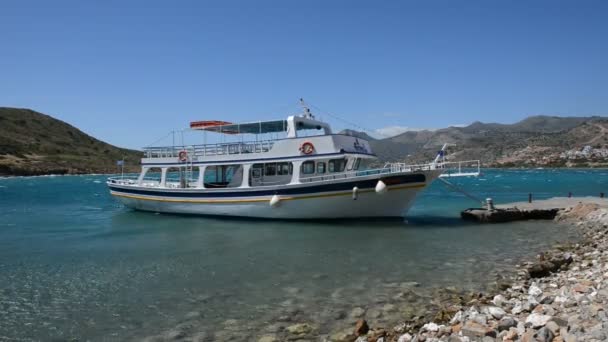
{"points": [[304, 201]]}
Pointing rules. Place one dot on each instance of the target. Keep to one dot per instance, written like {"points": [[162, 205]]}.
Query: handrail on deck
{"points": [[202, 150]]}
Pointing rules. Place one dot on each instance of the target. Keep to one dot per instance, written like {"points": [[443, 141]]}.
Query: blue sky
{"points": [[129, 71]]}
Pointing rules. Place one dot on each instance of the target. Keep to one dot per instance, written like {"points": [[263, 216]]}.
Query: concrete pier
{"points": [[536, 210]]}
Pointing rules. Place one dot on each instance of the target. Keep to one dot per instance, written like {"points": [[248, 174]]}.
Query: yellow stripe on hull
{"points": [[348, 193]]}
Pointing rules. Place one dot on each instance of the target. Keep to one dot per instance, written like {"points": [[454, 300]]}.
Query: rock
{"points": [[534, 291], [432, 327], [542, 269], [361, 328], [268, 338], [357, 312], [496, 312], [580, 288], [551, 325], [538, 320], [376, 335], [560, 321], [506, 323], [546, 299], [528, 336], [473, 329], [343, 336], [300, 329], [405, 338], [511, 335], [518, 308], [457, 318], [598, 333], [499, 300], [544, 335]]}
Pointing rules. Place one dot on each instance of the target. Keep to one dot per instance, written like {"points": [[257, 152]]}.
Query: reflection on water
{"points": [[76, 264]]}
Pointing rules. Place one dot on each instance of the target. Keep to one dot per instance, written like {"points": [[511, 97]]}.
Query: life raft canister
{"points": [[182, 156], [307, 147]]}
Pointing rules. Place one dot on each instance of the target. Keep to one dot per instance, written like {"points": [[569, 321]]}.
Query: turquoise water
{"points": [[76, 264]]}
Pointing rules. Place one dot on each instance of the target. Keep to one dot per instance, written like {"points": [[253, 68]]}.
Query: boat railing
{"points": [[203, 150], [450, 169], [460, 168]]}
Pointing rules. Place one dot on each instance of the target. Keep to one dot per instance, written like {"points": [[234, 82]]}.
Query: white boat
{"points": [[294, 175]]}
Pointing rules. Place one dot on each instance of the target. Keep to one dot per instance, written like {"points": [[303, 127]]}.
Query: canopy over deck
{"points": [[290, 125], [242, 128]]}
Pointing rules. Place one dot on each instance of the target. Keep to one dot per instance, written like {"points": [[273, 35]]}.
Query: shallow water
{"points": [[75, 264]]}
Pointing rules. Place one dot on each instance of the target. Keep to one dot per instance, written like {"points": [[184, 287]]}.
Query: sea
{"points": [[77, 265]]}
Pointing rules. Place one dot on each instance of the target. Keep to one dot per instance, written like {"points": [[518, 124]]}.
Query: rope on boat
{"points": [[462, 191]]}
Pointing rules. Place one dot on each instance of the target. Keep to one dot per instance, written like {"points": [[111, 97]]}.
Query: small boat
{"points": [[304, 171]]}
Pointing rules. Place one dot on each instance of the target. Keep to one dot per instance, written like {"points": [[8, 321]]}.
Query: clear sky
{"points": [[129, 71]]}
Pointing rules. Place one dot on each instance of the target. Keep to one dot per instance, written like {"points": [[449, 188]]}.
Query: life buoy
{"points": [[183, 156], [307, 147]]}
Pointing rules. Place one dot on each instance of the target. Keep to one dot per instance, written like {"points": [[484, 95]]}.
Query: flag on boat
{"points": [[120, 163]]}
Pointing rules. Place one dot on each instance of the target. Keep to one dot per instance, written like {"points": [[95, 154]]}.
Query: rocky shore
{"points": [[562, 296]]}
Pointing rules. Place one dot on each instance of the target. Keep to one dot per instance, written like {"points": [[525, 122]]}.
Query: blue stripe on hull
{"points": [[361, 184]]}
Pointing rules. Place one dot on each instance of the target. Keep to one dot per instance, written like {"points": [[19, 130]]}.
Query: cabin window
{"points": [[356, 163], [256, 170], [321, 167], [223, 176], [270, 174], [270, 169], [308, 167], [284, 169], [336, 165]]}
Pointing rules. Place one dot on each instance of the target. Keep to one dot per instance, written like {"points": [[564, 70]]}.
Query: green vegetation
{"points": [[32, 143]]}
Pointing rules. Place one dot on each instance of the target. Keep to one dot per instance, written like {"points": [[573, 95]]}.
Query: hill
{"points": [[32, 143], [535, 141]]}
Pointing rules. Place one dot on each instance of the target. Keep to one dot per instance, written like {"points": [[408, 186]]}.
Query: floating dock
{"points": [[534, 210]]}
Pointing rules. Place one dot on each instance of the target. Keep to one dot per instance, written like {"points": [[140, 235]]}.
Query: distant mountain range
{"points": [[32, 143], [535, 141]]}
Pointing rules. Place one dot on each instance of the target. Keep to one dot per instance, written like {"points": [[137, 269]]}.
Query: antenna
{"points": [[307, 113]]}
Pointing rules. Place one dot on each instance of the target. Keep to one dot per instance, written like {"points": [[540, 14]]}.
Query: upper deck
{"points": [[264, 140], [288, 148]]}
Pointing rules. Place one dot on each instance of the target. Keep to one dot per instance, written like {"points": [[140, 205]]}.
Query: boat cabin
{"points": [[267, 153]]}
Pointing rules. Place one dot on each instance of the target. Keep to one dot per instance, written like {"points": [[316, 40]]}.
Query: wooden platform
{"points": [[537, 210]]}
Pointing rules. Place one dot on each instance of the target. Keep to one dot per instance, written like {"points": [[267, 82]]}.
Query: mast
{"points": [[307, 113]]}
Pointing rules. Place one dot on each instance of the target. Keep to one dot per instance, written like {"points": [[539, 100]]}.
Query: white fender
{"points": [[381, 187], [355, 193], [275, 201]]}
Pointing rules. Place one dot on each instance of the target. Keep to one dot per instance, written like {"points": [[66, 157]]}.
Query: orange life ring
{"points": [[183, 156], [307, 147]]}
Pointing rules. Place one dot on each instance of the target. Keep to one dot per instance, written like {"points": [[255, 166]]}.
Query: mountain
{"points": [[33, 143], [360, 135], [535, 141]]}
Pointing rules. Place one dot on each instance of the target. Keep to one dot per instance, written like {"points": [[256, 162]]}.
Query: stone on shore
{"points": [[300, 329], [361, 328]]}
